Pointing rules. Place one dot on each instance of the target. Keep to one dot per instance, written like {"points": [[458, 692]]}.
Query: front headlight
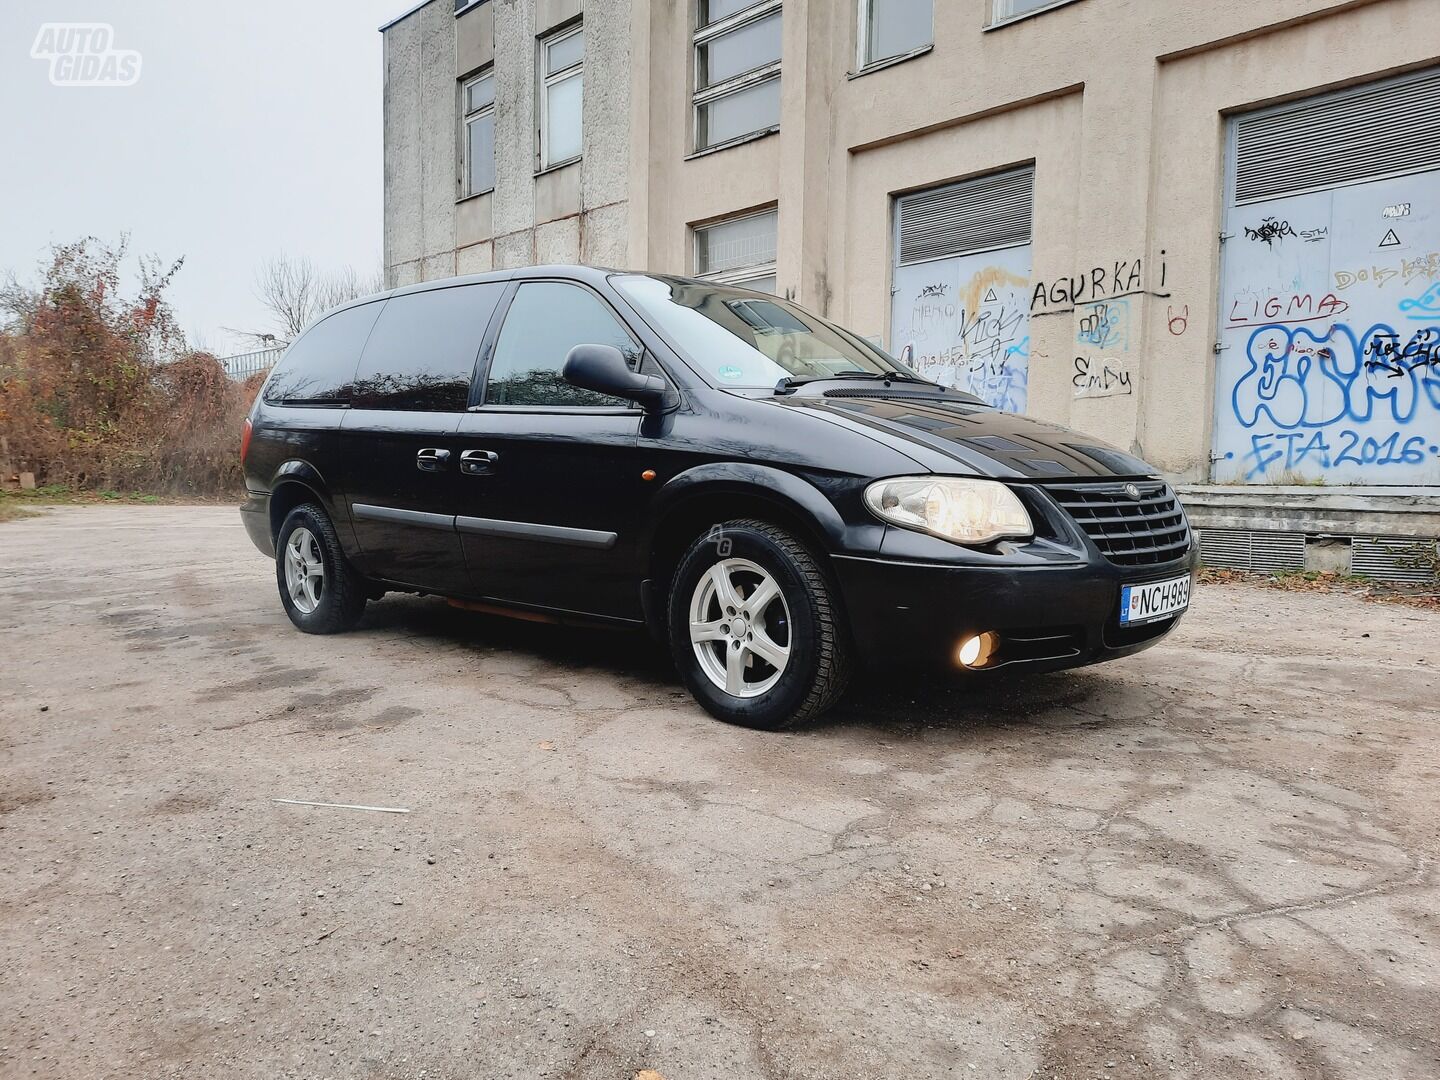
{"points": [[951, 507]]}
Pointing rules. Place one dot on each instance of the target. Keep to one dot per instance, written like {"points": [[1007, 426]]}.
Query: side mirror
{"points": [[602, 368]]}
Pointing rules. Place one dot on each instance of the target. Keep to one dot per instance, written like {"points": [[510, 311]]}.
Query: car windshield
{"points": [[746, 339]]}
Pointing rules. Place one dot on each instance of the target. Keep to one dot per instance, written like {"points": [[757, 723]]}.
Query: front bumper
{"points": [[1048, 617]]}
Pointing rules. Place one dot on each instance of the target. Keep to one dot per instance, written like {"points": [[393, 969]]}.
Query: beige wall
{"points": [[1119, 104], [576, 213]]}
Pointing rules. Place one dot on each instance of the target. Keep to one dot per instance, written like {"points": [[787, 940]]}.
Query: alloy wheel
{"points": [[740, 627], [304, 570]]}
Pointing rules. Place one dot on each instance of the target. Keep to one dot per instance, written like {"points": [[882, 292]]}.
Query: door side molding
{"points": [[524, 530], [418, 518]]}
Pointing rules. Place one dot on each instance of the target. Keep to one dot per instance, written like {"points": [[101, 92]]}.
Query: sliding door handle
{"points": [[478, 462], [432, 460]]}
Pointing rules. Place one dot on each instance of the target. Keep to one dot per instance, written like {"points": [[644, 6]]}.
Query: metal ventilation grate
{"points": [[1246, 549], [1385, 129], [978, 215], [1393, 560]]}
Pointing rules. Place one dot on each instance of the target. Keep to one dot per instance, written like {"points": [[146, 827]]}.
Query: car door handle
{"points": [[478, 462], [432, 460]]}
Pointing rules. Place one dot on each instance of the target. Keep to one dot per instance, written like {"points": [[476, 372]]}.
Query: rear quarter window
{"points": [[421, 354], [319, 368]]}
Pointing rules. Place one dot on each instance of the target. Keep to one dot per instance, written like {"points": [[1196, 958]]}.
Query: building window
{"points": [[740, 251], [479, 134], [737, 69], [1005, 10], [562, 96], [891, 28]]}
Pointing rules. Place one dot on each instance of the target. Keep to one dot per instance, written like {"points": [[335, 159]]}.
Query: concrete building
{"points": [[1206, 232]]}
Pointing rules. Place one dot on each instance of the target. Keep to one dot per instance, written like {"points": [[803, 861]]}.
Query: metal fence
{"points": [[243, 365]]}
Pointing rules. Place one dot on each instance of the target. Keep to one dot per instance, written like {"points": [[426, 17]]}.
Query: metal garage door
{"points": [[1329, 342], [960, 300]]}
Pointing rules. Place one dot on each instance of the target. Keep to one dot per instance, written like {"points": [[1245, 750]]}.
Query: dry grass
{"points": [[1426, 596]]}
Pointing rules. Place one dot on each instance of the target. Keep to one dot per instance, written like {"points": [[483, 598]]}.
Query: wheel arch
{"points": [[297, 482], [700, 498]]}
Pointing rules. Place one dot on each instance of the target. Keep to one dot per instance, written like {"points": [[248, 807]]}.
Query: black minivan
{"points": [[773, 496]]}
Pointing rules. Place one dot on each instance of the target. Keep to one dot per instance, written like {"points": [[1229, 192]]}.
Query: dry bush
{"points": [[97, 390]]}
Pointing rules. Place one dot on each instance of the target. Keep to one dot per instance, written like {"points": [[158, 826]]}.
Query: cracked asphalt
{"points": [[1216, 859]]}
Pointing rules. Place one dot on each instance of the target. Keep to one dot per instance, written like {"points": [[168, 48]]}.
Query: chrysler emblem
{"points": [[1132, 491]]}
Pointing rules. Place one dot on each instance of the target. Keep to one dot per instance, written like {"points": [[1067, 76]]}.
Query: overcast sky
{"points": [[254, 130]]}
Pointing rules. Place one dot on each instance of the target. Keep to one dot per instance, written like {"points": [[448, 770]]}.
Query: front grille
{"points": [[1128, 531]]}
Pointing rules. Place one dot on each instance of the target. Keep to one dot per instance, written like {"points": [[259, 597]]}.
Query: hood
{"points": [[964, 436]]}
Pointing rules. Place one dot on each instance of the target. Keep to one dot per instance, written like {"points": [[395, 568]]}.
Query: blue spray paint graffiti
{"points": [[1424, 306], [1004, 383], [1107, 326], [1303, 385]]}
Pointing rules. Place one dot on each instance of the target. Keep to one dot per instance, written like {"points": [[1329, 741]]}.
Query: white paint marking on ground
{"points": [[346, 806]]}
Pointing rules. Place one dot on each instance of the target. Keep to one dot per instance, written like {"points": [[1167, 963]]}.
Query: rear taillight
{"points": [[245, 439]]}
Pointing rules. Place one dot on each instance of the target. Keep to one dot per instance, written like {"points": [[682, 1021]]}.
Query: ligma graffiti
{"points": [[1275, 310]]}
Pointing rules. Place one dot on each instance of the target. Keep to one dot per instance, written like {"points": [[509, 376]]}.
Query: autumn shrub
{"points": [[99, 391]]}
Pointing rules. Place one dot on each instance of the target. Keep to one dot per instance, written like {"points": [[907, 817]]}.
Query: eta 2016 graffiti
{"points": [[1302, 385]]}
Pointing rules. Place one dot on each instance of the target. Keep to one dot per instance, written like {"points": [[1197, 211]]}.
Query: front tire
{"points": [[755, 627], [319, 589]]}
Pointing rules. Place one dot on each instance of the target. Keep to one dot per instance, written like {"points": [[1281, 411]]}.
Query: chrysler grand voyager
{"points": [[777, 499]]}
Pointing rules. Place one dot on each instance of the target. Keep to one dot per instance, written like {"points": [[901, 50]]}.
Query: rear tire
{"points": [[755, 627], [319, 589]]}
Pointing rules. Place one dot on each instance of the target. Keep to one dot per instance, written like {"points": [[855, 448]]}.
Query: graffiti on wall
{"points": [[1330, 351], [1105, 377], [1106, 326], [965, 321], [1177, 322], [1107, 281], [1406, 271]]}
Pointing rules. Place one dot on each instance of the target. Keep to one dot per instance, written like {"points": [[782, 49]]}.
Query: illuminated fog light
{"points": [[975, 650]]}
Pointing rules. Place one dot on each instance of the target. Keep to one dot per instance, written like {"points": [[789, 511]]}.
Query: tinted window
{"points": [[546, 320], [421, 354], [319, 368]]}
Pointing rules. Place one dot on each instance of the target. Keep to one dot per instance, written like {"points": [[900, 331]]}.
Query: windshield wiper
{"points": [[888, 376], [788, 383]]}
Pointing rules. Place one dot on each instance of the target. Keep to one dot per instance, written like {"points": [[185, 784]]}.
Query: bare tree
{"points": [[295, 293], [19, 304]]}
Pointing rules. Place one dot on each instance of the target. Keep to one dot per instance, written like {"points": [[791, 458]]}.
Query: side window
{"points": [[545, 321], [421, 355], [479, 135], [320, 367]]}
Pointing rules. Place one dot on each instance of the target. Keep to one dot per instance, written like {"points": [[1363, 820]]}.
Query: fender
{"points": [[305, 473], [786, 489]]}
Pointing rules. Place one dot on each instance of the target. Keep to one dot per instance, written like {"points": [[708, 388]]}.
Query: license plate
{"points": [[1154, 600]]}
